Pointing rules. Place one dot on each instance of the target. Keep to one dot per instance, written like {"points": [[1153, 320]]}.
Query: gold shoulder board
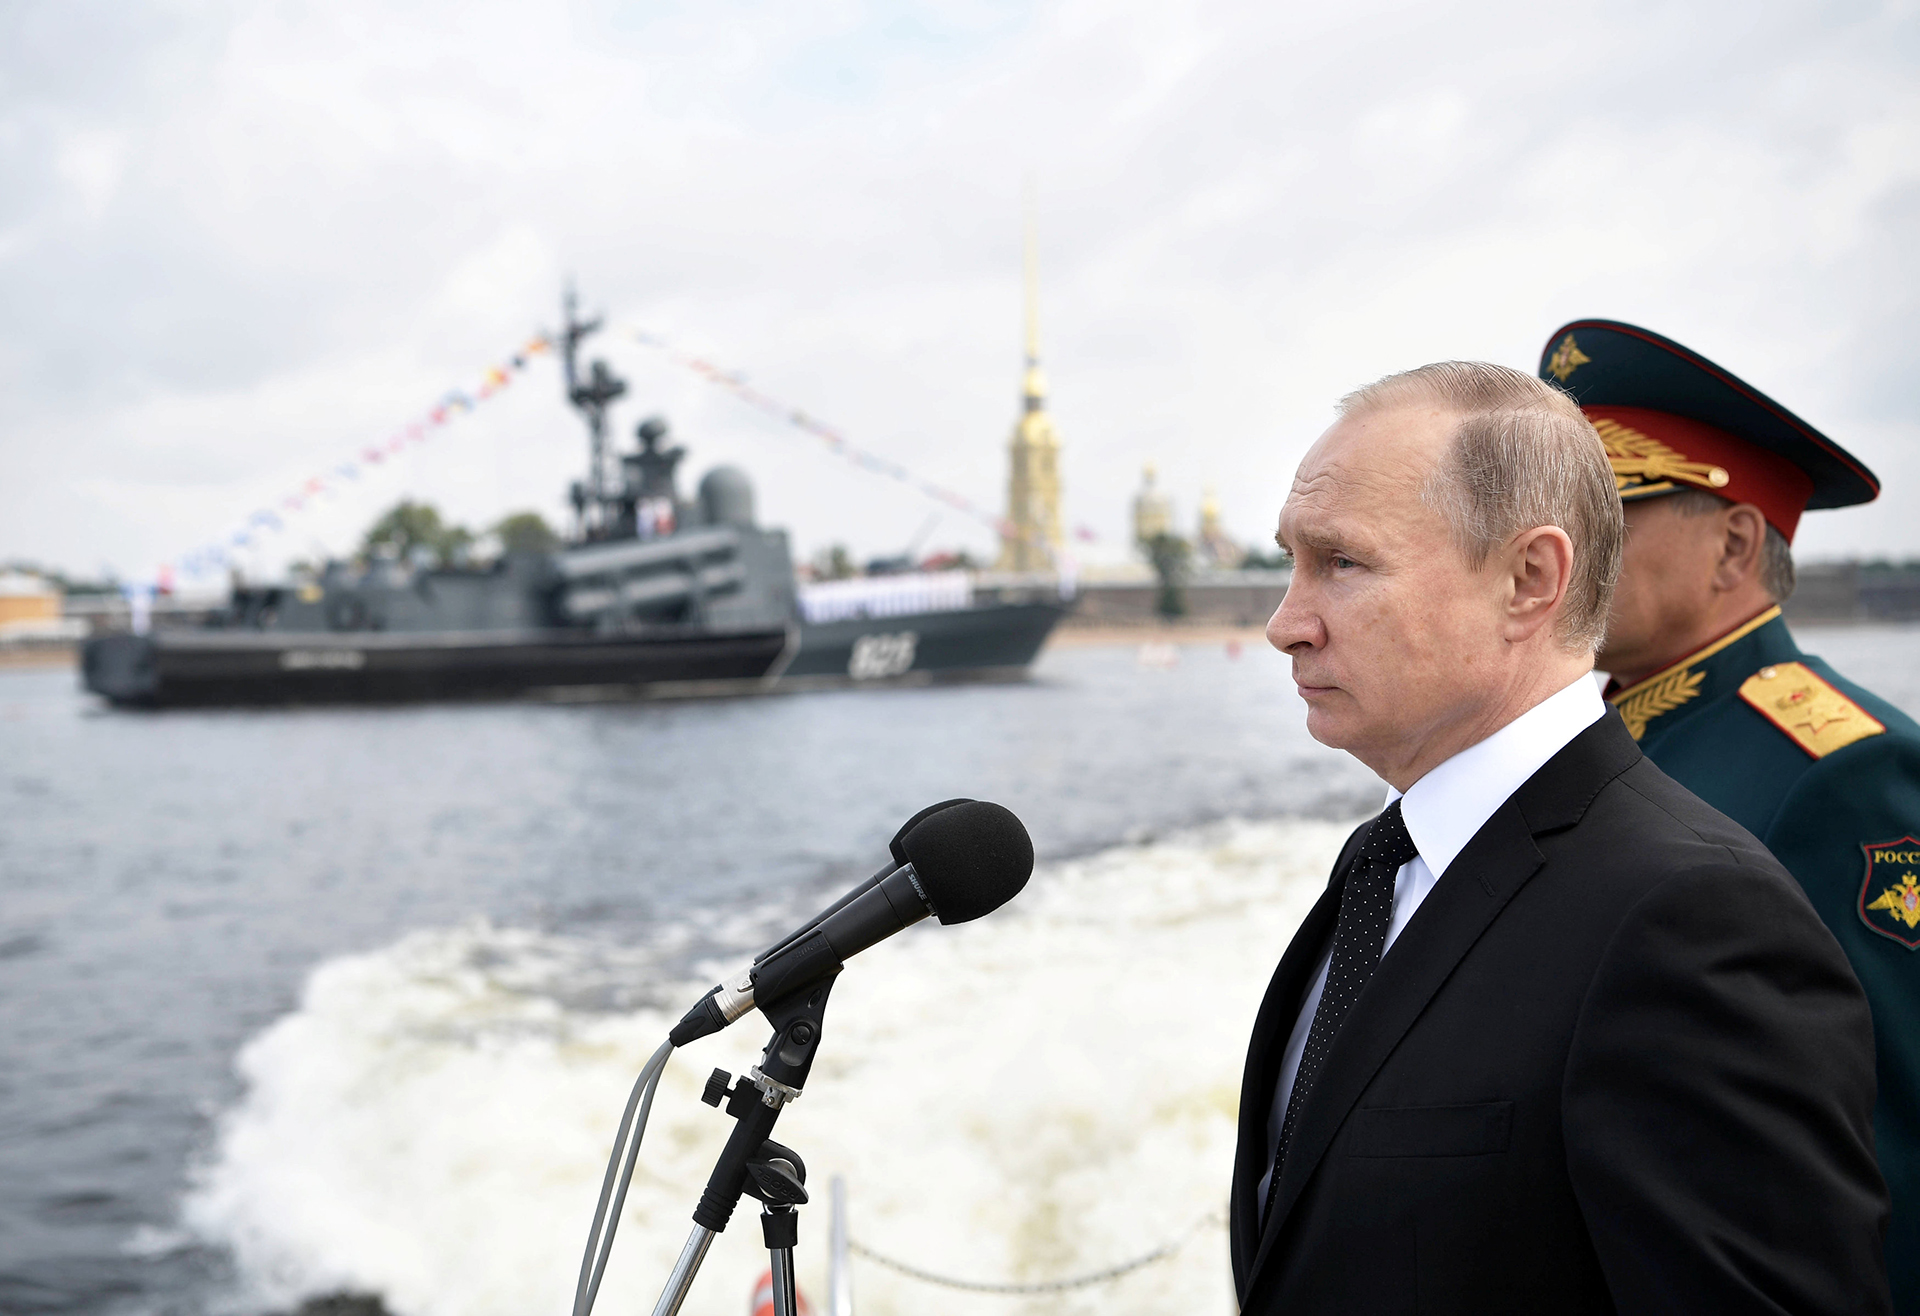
{"points": [[1818, 717]]}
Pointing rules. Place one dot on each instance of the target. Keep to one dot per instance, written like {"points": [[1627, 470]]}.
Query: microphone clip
{"points": [[772, 1091], [740, 1096], [756, 1099]]}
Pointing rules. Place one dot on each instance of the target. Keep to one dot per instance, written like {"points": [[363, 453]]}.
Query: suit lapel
{"points": [[1272, 1026], [1499, 860]]}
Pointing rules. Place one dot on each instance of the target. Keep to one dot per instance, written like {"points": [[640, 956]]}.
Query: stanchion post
{"points": [[839, 1276]]}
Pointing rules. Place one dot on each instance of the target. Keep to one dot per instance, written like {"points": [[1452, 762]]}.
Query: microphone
{"points": [[959, 860], [895, 847]]}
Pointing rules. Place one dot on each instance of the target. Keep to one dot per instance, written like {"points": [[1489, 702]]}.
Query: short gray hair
{"points": [[1776, 555], [1522, 456]]}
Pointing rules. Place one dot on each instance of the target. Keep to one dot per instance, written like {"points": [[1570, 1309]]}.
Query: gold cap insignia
{"points": [[1895, 911], [1566, 359], [1818, 717], [1643, 465]]}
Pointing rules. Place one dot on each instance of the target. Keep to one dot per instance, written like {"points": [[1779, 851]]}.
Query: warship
{"points": [[652, 594]]}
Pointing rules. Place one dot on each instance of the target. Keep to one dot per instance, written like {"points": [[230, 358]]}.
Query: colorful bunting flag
{"points": [[456, 402], [266, 520]]}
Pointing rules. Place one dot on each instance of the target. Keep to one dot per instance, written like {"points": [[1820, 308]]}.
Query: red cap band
{"points": [[1657, 452]]}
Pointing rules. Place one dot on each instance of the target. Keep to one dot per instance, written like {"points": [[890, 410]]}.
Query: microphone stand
{"points": [[752, 1163]]}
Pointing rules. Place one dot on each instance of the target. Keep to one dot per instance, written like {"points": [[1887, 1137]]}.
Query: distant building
{"points": [[1152, 510], [1030, 539], [1216, 547], [30, 610], [26, 598]]}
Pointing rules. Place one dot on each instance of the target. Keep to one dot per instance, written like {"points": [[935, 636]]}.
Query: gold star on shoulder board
{"points": [[1816, 716]]}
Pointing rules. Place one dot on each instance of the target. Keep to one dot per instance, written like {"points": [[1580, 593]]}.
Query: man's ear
{"points": [[1539, 570], [1743, 535]]}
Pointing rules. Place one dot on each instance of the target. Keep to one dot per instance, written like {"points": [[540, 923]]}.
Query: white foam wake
{"points": [[1039, 1094]]}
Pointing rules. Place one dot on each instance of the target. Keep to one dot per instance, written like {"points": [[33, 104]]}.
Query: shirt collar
{"points": [[1445, 808]]}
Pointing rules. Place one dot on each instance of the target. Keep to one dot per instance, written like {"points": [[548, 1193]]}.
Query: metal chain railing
{"points": [[1109, 1274]]}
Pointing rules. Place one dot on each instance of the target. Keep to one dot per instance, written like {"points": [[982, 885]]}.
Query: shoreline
{"points": [[53, 655], [1063, 637], [1068, 636], [1179, 635]]}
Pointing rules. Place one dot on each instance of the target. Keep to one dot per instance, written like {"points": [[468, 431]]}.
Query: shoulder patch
{"points": [[1817, 717], [1889, 900]]}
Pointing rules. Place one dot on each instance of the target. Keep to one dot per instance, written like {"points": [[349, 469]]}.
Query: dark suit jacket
{"points": [[1614, 1062]]}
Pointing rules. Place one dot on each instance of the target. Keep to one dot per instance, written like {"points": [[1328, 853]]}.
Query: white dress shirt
{"points": [[1443, 811]]}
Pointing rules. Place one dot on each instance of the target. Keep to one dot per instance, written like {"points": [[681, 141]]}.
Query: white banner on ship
{"points": [[886, 596]]}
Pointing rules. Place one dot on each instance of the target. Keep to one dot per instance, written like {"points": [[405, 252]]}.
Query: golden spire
{"points": [[1030, 540], [1035, 387]]}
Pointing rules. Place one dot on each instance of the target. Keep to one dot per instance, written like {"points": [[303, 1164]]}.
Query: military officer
{"points": [[1714, 476]]}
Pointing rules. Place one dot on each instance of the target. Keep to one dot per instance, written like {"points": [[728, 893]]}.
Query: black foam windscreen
{"points": [[972, 858], [898, 844]]}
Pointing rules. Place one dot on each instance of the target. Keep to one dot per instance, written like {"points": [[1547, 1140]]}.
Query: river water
{"points": [[347, 1001]]}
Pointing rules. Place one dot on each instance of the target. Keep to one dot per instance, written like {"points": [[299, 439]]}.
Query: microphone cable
{"points": [[593, 1266]]}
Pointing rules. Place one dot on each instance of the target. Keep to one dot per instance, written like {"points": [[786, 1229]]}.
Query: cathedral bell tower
{"points": [[1030, 535]]}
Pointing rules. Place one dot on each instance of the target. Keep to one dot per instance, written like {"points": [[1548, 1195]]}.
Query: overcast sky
{"points": [[240, 242]]}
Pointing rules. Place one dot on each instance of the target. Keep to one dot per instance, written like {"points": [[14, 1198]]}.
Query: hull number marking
{"points": [[876, 656]]}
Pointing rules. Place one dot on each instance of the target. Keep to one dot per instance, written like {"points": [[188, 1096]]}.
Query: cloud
{"points": [[237, 243]]}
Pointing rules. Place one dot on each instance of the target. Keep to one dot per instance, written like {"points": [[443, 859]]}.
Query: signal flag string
{"points": [[272, 518], [735, 382]]}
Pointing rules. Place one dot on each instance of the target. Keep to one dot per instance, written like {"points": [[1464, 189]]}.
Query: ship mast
{"points": [[591, 397]]}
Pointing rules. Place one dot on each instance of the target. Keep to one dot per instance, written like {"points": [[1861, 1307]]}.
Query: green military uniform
{"points": [[1826, 774], [1828, 777]]}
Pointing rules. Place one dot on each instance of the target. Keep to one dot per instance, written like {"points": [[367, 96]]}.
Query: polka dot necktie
{"points": [[1359, 940]]}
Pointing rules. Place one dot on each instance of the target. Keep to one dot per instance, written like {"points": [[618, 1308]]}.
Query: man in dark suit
{"points": [[1558, 1037]]}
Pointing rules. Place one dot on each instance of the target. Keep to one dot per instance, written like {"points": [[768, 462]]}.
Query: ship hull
{"points": [[994, 640], [213, 668]]}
